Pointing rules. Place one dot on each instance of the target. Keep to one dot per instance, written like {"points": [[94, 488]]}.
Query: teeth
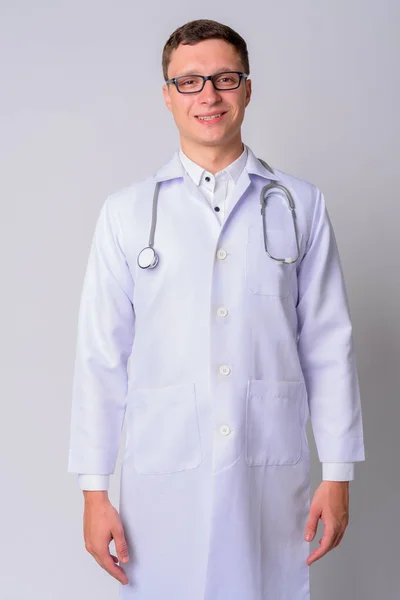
{"points": [[209, 118]]}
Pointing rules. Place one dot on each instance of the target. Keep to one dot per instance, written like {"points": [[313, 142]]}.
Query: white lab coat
{"points": [[230, 353]]}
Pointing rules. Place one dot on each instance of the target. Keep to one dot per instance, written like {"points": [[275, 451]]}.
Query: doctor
{"points": [[230, 352]]}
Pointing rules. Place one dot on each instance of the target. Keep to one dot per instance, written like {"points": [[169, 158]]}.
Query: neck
{"points": [[212, 158]]}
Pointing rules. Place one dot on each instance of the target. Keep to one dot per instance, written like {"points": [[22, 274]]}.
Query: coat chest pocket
{"points": [[165, 429], [275, 422], [265, 276]]}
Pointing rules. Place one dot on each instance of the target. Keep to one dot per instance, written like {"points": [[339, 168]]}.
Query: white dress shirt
{"points": [[217, 189]]}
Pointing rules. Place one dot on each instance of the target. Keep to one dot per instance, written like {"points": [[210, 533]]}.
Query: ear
{"points": [[167, 97], [248, 91]]}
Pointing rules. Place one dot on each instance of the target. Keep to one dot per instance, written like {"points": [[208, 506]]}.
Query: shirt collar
{"points": [[233, 170], [174, 168]]}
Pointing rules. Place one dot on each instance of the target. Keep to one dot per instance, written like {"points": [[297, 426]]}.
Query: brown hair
{"points": [[204, 29]]}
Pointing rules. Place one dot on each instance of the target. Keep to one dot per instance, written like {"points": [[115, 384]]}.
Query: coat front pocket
{"points": [[165, 429], [264, 275], [275, 422]]}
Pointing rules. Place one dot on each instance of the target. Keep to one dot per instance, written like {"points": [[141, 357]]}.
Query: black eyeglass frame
{"points": [[174, 80]]}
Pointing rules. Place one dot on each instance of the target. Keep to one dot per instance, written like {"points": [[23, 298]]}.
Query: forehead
{"points": [[204, 58]]}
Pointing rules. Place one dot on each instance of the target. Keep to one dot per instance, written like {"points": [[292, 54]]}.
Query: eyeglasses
{"points": [[192, 84]]}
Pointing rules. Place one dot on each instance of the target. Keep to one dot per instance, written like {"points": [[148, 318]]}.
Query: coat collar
{"points": [[174, 168]]}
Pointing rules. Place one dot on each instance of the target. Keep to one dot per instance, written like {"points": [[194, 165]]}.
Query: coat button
{"points": [[225, 430], [221, 253], [224, 370], [221, 311]]}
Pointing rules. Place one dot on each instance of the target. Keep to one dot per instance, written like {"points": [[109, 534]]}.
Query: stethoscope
{"points": [[148, 257]]}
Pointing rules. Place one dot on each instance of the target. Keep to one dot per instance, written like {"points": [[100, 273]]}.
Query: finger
{"points": [[121, 545], [312, 524], [115, 570], [107, 563], [325, 545]]}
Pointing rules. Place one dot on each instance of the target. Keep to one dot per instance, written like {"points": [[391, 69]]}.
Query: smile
{"points": [[213, 119]]}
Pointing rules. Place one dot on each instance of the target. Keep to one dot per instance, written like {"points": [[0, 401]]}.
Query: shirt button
{"points": [[221, 311], [216, 208], [225, 430], [207, 178], [221, 253], [224, 370]]}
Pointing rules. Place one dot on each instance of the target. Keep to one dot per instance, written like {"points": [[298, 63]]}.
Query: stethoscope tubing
{"points": [[148, 257]]}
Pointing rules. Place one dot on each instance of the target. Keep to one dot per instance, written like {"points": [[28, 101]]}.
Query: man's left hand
{"points": [[330, 504]]}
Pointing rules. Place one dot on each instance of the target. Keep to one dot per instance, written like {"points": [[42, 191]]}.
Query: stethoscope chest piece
{"points": [[147, 258]]}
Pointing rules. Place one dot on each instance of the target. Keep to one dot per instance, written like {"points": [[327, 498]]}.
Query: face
{"points": [[206, 58]]}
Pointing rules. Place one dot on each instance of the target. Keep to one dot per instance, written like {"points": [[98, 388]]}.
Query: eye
{"points": [[188, 81]]}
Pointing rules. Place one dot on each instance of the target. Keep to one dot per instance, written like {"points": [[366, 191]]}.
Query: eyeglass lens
{"points": [[194, 83]]}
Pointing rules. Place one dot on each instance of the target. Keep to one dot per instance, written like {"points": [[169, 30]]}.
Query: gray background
{"points": [[82, 115]]}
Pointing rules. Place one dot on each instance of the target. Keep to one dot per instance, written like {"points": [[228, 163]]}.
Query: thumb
{"points": [[311, 525], [121, 546]]}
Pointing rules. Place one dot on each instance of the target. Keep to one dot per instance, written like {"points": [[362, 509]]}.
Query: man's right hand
{"points": [[101, 524]]}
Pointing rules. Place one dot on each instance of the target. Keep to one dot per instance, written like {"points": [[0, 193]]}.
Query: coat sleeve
{"points": [[325, 344], [104, 342]]}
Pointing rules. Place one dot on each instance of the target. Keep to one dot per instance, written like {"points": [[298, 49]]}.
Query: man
{"points": [[230, 352]]}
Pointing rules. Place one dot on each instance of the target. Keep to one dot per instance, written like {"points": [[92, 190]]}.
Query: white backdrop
{"points": [[82, 115]]}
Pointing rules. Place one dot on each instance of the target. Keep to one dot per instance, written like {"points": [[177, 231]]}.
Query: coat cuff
{"points": [[337, 471], [94, 482]]}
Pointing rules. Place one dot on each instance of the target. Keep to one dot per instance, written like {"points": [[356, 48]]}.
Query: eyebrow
{"points": [[193, 72]]}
